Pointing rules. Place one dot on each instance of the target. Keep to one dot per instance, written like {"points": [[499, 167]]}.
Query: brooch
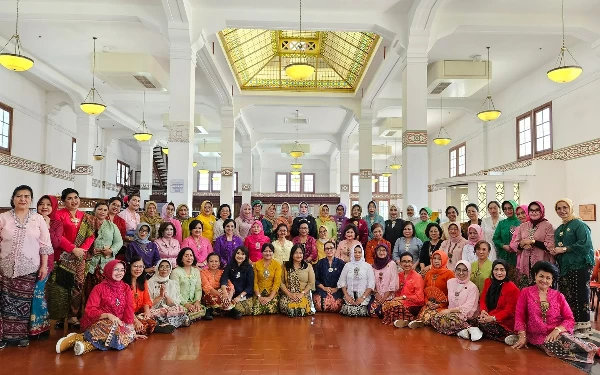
{"points": [[237, 275]]}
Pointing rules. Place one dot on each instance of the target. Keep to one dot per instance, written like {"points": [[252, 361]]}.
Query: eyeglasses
{"points": [[329, 248], [144, 231], [138, 266], [462, 270]]}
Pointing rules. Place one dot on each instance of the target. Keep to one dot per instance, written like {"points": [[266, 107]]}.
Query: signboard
{"points": [[587, 212], [176, 186]]}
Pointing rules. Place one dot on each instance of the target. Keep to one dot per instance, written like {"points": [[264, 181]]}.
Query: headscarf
{"points": [[374, 213], [493, 294], [172, 287], [345, 210], [458, 236], [571, 212], [427, 209], [136, 235], [526, 209], [177, 212], [443, 267], [163, 211], [156, 277], [260, 237], [270, 218], [353, 260], [154, 219], [390, 209], [415, 218], [249, 219], [514, 206], [468, 278], [380, 263], [53, 204], [255, 202], [542, 213], [324, 218], [300, 214], [108, 275], [202, 208], [479, 234], [289, 210]]}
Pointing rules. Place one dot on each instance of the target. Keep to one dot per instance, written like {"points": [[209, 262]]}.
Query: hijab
{"points": [[324, 218], [289, 215], [514, 206], [177, 212], [260, 236], [323, 240], [390, 209], [493, 294], [154, 219], [443, 267], [571, 212], [374, 213], [353, 260], [380, 263], [526, 209], [108, 276], [53, 204], [156, 278], [458, 237], [542, 213], [249, 218], [479, 234], [163, 212], [427, 209], [300, 214], [345, 210], [202, 209], [468, 278], [136, 235]]}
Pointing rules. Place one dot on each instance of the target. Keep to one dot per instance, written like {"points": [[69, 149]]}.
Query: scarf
{"points": [[340, 219], [53, 204], [458, 237], [177, 212], [300, 214], [479, 234], [156, 278], [163, 211], [270, 216], [570, 204], [542, 213], [323, 240], [289, 215], [493, 294], [117, 287], [86, 229], [380, 263], [514, 206], [202, 209], [152, 220], [249, 218], [415, 210], [324, 218], [443, 267], [136, 235], [390, 215], [526, 210], [259, 237], [468, 278], [427, 209], [353, 260]]}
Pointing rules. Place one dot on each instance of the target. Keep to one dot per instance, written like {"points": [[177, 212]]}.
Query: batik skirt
{"points": [[569, 347], [173, 315], [75, 265], [449, 324], [396, 309], [492, 330], [245, 306], [16, 294], [325, 302], [575, 286], [272, 307], [39, 322], [436, 302], [105, 335], [294, 309], [148, 325]]}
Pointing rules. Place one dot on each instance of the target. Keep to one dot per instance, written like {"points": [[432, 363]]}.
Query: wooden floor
{"points": [[322, 344]]}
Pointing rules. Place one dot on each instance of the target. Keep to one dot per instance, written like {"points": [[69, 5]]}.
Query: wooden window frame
{"points": [[122, 176], [352, 191], [457, 149], [11, 119], [533, 129], [198, 183], [74, 151], [377, 191], [287, 182], [211, 185], [302, 183], [288, 179]]}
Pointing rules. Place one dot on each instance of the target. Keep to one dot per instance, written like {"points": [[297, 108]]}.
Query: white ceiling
{"points": [[270, 119]]}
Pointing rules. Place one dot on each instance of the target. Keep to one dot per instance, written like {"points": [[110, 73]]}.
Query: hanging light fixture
{"points": [[395, 165], [491, 113], [296, 164], [165, 149], [442, 139], [15, 61], [98, 155], [564, 73], [297, 149], [203, 169], [194, 163], [295, 172], [143, 134], [90, 105], [300, 70], [386, 172]]}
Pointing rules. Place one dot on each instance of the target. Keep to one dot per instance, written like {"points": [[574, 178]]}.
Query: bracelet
{"points": [[557, 329]]}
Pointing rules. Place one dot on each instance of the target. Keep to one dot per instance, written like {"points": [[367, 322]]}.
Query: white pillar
{"points": [[108, 183], [227, 155], [182, 86], [344, 173], [415, 175], [365, 158], [146, 168], [256, 173], [473, 193], [84, 161], [245, 174]]}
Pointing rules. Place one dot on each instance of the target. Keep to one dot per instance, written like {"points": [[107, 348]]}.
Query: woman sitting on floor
{"points": [[108, 317], [409, 296], [187, 275], [386, 279], [241, 274], [267, 280], [211, 287], [297, 280], [357, 282], [463, 297], [543, 318], [166, 299], [328, 297]]}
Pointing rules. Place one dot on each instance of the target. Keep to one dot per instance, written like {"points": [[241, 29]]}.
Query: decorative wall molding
{"points": [[83, 170], [379, 196], [432, 188], [344, 187], [226, 171], [145, 186], [246, 187], [96, 183], [56, 172], [365, 173], [416, 138], [179, 131]]}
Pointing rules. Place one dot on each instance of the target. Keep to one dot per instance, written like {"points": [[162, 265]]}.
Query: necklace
{"points": [[74, 218]]}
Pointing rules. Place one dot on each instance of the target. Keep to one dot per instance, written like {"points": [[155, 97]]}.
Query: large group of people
{"points": [[119, 274]]}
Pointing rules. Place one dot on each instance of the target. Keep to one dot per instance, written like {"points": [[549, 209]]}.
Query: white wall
{"points": [[271, 165]]}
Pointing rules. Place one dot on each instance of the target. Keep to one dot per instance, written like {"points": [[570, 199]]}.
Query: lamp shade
{"points": [[296, 165], [98, 154], [92, 108], [15, 62], [142, 137], [386, 174], [203, 171], [489, 115], [564, 74], [194, 163], [165, 150], [299, 71], [442, 141], [295, 172], [395, 166]]}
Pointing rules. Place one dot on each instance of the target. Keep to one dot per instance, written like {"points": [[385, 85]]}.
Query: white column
{"points": [[182, 86], [227, 155], [473, 193], [256, 172], [344, 173], [146, 168], [415, 175], [245, 174], [84, 161], [109, 180], [365, 157]]}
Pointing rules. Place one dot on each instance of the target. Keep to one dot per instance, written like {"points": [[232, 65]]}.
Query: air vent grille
{"points": [[441, 87]]}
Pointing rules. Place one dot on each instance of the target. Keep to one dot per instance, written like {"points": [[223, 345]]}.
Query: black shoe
{"points": [[41, 337], [167, 328], [235, 314], [209, 315], [23, 343], [60, 324], [2, 345]]}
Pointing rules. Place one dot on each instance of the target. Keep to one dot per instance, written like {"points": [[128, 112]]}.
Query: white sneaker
{"points": [[476, 333], [511, 340], [416, 324], [464, 334], [79, 348], [400, 323]]}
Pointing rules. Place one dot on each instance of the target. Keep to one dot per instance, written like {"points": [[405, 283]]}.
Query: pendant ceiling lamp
{"points": [[15, 61], [165, 149], [296, 164], [442, 139], [386, 172], [143, 134], [295, 172], [564, 73], [203, 169], [92, 105], [395, 164], [300, 70], [297, 149], [194, 163], [98, 155], [491, 113]]}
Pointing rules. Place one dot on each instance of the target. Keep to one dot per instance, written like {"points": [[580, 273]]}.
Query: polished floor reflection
{"points": [[323, 344]]}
